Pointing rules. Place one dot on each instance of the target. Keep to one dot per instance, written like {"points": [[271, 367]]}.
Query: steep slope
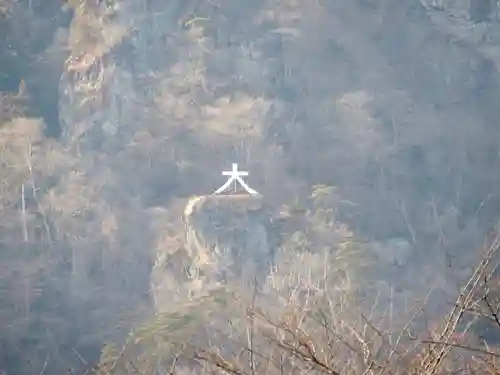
{"points": [[227, 237]]}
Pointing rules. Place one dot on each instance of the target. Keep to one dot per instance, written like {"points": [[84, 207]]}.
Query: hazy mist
{"points": [[370, 128]]}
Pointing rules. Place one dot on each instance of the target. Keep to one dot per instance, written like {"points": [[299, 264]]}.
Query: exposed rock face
{"points": [[227, 238], [229, 235]]}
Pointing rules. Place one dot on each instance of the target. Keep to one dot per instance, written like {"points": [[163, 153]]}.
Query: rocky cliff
{"points": [[226, 237]]}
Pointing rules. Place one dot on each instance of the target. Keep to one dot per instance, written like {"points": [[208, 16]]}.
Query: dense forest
{"points": [[369, 128]]}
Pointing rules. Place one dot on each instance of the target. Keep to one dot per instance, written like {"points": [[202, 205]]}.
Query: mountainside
{"points": [[369, 127]]}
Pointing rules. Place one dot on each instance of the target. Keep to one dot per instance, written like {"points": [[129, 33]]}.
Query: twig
{"points": [[219, 362], [44, 365], [23, 211], [252, 329], [438, 222], [493, 313], [408, 223], [380, 334], [120, 355], [463, 301], [78, 355], [174, 365], [460, 346], [391, 313], [35, 195], [137, 369], [407, 326]]}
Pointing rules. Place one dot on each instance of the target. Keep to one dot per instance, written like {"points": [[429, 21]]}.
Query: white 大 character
{"points": [[235, 175]]}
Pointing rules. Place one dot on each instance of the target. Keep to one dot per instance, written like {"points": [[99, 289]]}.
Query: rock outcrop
{"points": [[229, 235], [227, 239]]}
